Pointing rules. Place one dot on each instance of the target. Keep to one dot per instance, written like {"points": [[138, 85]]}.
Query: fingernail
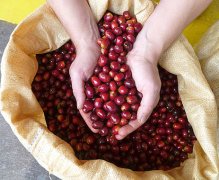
{"points": [[118, 137], [141, 119], [79, 106]]}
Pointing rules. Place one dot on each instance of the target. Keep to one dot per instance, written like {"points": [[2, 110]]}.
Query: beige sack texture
{"points": [[208, 54], [42, 32]]}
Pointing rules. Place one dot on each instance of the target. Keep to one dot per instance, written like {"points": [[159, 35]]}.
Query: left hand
{"points": [[147, 80]]}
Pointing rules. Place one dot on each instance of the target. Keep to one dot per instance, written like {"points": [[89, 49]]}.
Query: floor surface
{"points": [[16, 163]]}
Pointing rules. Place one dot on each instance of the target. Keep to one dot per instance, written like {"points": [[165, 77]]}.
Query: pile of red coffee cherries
{"points": [[163, 142], [112, 97]]}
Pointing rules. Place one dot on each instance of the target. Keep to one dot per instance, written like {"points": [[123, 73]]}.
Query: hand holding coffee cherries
{"points": [[147, 80], [111, 68], [112, 100], [80, 71], [152, 41]]}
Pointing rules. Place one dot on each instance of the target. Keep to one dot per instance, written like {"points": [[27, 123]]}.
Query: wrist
{"points": [[88, 48], [87, 41], [86, 35], [147, 49]]}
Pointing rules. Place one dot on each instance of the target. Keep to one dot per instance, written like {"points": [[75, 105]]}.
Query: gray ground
{"points": [[15, 161]]}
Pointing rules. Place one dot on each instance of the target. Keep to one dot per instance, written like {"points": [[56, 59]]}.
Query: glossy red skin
{"points": [[88, 106], [119, 77], [131, 38], [104, 77], [123, 90], [101, 113], [103, 60], [119, 100], [95, 81], [111, 107], [103, 88], [98, 103], [105, 96], [115, 129], [119, 40], [127, 15], [115, 118], [109, 34], [113, 55], [117, 31], [132, 99], [97, 125], [108, 17], [113, 86], [115, 65], [89, 91]]}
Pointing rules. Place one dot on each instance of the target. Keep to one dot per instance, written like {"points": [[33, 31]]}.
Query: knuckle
{"points": [[141, 121]]}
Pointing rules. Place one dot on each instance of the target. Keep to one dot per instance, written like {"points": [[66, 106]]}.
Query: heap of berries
{"points": [[163, 142], [112, 97]]}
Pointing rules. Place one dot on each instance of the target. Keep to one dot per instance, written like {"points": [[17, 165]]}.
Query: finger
{"points": [[86, 117], [148, 102], [127, 129], [78, 89]]}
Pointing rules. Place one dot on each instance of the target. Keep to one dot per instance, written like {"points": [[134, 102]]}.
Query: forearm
{"points": [[168, 21], [78, 20]]}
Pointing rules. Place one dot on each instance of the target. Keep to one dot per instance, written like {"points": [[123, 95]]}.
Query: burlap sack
{"points": [[208, 54], [42, 32]]}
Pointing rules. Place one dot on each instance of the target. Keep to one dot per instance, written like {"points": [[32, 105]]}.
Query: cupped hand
{"points": [[80, 71], [147, 80]]}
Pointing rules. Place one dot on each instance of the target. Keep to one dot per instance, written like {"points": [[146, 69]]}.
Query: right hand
{"points": [[80, 71]]}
